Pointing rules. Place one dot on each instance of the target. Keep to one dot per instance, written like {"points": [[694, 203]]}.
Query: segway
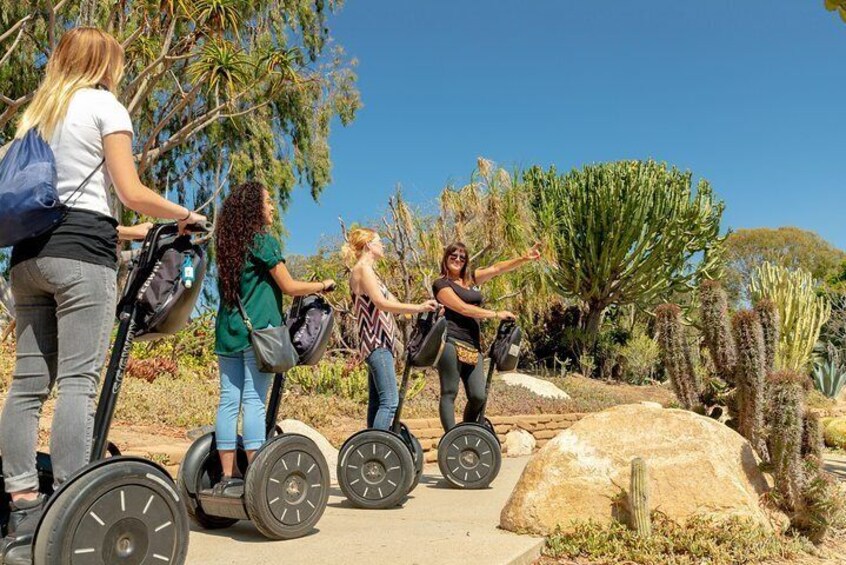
{"points": [[470, 454], [379, 468], [122, 509], [287, 485]]}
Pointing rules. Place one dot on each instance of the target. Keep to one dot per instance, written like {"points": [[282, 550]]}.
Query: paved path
{"points": [[436, 525], [836, 465]]}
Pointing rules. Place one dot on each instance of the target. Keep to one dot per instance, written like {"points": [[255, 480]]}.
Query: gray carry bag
{"points": [[272, 346]]}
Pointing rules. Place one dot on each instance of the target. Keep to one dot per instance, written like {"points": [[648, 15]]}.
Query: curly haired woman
{"points": [[251, 270]]}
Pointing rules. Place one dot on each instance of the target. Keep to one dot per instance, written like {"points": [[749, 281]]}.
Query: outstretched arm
{"points": [[370, 285], [487, 273], [292, 287], [451, 300]]}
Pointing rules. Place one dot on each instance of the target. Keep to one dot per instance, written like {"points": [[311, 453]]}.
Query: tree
{"points": [[626, 232], [219, 90], [838, 6], [790, 247]]}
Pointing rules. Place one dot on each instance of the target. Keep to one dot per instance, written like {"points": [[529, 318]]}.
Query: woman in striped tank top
{"points": [[374, 307]]}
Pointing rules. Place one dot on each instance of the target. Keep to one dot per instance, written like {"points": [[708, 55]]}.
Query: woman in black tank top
{"points": [[458, 291]]}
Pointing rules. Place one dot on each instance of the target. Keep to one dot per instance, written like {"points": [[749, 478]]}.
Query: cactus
{"points": [[716, 329], [639, 498], [750, 373], [675, 355], [771, 325], [802, 313], [812, 436], [786, 425]]}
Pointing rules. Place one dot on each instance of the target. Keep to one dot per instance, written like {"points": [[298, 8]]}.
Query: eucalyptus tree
{"points": [[624, 233], [218, 90]]}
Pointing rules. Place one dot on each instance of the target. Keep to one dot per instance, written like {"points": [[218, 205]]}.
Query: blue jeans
{"points": [[382, 378], [242, 385]]}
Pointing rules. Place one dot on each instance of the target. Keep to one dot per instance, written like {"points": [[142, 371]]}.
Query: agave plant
{"points": [[829, 377]]}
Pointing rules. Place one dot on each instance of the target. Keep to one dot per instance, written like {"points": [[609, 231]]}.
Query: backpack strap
{"points": [[84, 182], [243, 312]]}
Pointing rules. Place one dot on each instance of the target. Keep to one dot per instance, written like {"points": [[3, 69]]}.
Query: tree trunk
{"points": [[592, 321]]}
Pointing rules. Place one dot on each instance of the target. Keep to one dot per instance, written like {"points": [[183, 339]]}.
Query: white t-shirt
{"points": [[77, 145]]}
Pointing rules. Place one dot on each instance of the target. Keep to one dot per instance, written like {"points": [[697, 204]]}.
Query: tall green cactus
{"points": [[751, 376], [639, 503], [786, 427], [626, 232], [801, 311], [716, 329], [675, 355], [812, 436], [771, 326]]}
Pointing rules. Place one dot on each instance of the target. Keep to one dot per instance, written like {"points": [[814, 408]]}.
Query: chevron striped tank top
{"points": [[375, 328]]}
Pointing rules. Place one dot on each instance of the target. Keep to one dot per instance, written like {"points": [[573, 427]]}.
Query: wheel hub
{"points": [[127, 541], [374, 472], [295, 487], [469, 458]]}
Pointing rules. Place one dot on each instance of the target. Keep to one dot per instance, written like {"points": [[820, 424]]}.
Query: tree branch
{"points": [[10, 49]]}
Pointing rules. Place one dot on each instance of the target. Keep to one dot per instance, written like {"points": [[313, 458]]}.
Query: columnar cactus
{"points": [[639, 498], [802, 313], [750, 373], [812, 437], [771, 325], [675, 355], [786, 426], [716, 329]]}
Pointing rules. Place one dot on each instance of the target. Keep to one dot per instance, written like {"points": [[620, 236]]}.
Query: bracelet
{"points": [[186, 217]]}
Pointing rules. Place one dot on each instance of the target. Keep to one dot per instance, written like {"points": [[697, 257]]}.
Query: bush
{"points": [[640, 357], [834, 433], [698, 540]]}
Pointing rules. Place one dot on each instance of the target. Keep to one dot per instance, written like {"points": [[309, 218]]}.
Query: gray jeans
{"points": [[64, 311]]}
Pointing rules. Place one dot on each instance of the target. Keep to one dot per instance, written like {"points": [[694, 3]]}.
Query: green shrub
{"points": [[641, 355], [696, 541], [834, 433]]}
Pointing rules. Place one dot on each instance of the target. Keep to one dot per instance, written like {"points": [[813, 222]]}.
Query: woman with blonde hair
{"points": [[63, 281], [373, 306]]}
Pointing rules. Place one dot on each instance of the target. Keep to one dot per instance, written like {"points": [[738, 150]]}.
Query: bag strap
{"points": [[84, 182], [246, 318]]}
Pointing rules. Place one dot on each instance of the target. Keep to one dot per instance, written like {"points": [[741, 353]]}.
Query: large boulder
{"points": [[696, 466], [534, 384], [326, 448]]}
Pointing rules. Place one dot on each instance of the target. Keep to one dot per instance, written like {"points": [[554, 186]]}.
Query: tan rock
{"points": [[518, 442], [696, 465], [329, 452]]}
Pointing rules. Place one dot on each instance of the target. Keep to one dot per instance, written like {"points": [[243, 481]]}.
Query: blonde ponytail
{"points": [[356, 243]]}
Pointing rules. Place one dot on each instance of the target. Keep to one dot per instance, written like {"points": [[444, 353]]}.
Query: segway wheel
{"points": [[209, 474], [469, 456], [125, 511], [287, 487], [375, 469], [416, 455], [419, 459]]}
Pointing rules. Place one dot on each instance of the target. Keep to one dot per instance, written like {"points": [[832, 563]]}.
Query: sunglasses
{"points": [[458, 257]]}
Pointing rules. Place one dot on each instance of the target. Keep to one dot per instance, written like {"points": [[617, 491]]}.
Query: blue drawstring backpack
{"points": [[29, 202]]}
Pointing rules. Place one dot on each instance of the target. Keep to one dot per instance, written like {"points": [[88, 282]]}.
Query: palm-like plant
{"points": [[222, 66], [218, 16]]}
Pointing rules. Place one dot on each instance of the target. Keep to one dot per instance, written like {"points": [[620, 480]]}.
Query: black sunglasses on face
{"points": [[458, 257]]}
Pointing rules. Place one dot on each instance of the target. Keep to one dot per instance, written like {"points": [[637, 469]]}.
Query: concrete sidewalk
{"points": [[436, 525]]}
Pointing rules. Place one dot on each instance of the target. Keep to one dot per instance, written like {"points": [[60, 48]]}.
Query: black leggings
{"points": [[451, 370]]}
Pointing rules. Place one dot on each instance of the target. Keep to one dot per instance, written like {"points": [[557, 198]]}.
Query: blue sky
{"points": [[749, 95]]}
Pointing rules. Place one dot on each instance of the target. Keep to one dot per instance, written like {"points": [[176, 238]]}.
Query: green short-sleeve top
{"points": [[261, 297]]}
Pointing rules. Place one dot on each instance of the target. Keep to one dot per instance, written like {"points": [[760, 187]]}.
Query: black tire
{"points": [[375, 469], [124, 512], [419, 459], [200, 469], [287, 487], [489, 425], [417, 455], [469, 456]]}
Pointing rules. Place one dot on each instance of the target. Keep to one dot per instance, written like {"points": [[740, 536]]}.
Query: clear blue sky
{"points": [[750, 95]]}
